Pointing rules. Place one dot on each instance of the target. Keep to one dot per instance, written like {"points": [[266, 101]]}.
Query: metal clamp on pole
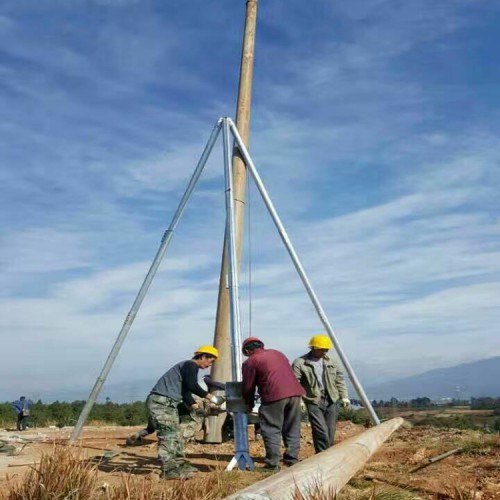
{"points": [[234, 397], [236, 405]]}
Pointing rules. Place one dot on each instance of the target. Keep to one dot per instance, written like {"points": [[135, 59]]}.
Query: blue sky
{"points": [[374, 126]]}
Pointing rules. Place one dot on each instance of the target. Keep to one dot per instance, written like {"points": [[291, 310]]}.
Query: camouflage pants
{"points": [[190, 425], [165, 418], [164, 415]]}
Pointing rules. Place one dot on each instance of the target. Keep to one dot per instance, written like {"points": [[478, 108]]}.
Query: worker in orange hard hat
{"points": [[250, 344], [323, 382], [269, 371], [172, 397]]}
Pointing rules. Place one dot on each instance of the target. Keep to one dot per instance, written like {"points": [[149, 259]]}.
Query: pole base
{"points": [[242, 460]]}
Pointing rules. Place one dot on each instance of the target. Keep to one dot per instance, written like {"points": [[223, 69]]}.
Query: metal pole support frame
{"points": [[165, 242], [242, 458], [300, 270], [240, 420]]}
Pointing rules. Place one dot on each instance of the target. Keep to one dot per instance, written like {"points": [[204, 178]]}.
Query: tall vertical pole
{"points": [[221, 370]]}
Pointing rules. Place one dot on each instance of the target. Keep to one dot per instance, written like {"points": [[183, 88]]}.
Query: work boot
{"points": [[135, 439], [268, 468], [289, 460], [183, 472], [190, 468], [176, 474]]}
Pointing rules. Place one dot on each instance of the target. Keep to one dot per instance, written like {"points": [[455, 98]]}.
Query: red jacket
{"points": [[270, 372]]}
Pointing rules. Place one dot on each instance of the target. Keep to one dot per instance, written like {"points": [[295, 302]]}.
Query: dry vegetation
{"points": [[67, 473], [64, 474]]}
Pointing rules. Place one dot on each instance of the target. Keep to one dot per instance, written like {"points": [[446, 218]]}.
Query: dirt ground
{"points": [[473, 473]]}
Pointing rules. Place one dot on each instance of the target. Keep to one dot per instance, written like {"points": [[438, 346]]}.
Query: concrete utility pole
{"points": [[325, 473], [221, 370]]}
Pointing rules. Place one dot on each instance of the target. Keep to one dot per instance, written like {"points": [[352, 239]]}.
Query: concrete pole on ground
{"points": [[221, 370], [325, 473]]}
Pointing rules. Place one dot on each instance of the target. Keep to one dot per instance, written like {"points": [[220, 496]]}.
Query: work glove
{"points": [[216, 410], [345, 402], [217, 400], [200, 410]]}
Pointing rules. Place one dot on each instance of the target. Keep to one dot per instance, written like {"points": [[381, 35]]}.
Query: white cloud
{"points": [[44, 250], [389, 195]]}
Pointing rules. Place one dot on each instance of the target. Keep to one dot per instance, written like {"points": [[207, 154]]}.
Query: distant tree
{"points": [[422, 402], [485, 403], [7, 415], [61, 413], [496, 425]]}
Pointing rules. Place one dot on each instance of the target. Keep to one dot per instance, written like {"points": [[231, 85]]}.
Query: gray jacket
{"points": [[332, 376]]}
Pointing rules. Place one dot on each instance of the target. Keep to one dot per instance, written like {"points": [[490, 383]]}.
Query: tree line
{"points": [[486, 404], [63, 413], [483, 403], [66, 413]]}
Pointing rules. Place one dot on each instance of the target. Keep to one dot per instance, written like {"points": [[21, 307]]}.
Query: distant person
{"points": [[323, 382], [269, 371], [22, 407], [171, 395]]}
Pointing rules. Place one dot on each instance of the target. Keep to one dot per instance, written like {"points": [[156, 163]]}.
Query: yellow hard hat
{"points": [[320, 342], [207, 349]]}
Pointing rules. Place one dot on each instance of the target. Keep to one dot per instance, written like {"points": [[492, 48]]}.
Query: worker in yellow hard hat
{"points": [[323, 382], [169, 400]]}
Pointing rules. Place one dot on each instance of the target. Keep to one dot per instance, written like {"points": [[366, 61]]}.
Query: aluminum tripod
{"points": [[242, 457]]}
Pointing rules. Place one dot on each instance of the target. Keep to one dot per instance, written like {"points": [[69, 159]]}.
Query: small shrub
{"points": [[455, 422], [480, 446], [355, 416]]}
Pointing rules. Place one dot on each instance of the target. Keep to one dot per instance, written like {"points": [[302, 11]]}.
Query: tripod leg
{"points": [[300, 270], [145, 285]]}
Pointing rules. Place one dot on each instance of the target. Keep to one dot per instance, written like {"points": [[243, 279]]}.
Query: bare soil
{"points": [[474, 473]]}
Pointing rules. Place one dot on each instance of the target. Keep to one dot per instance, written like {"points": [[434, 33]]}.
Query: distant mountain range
{"points": [[480, 378]]}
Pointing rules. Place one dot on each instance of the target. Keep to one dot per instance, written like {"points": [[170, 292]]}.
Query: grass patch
{"points": [[465, 494], [376, 492], [452, 422], [59, 475], [481, 445], [65, 474], [359, 483], [212, 486]]}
